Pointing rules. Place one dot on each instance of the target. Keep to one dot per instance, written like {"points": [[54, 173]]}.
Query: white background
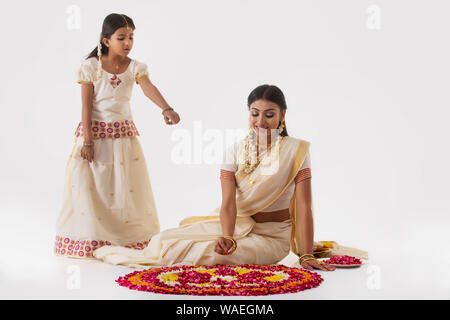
{"points": [[373, 102]]}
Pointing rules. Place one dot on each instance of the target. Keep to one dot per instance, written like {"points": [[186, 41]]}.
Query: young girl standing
{"points": [[108, 199]]}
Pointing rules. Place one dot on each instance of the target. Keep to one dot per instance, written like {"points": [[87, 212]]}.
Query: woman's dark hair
{"points": [[272, 94], [111, 23]]}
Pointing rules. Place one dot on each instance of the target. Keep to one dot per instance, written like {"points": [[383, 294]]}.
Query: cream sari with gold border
{"points": [[258, 243]]}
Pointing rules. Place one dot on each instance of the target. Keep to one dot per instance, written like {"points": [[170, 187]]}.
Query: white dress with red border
{"points": [[108, 201]]}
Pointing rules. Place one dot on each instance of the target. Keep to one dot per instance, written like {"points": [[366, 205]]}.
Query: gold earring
{"points": [[281, 127]]}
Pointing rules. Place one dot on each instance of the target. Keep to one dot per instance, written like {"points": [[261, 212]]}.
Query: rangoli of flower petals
{"points": [[222, 280]]}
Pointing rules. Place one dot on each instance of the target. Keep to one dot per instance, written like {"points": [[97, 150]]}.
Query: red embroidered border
{"points": [[110, 130], [65, 246], [227, 175], [303, 175]]}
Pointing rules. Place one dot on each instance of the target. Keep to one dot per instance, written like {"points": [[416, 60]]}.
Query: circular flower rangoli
{"points": [[222, 280]]}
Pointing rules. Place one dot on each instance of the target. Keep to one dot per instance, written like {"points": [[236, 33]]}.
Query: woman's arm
{"points": [[87, 94], [228, 209], [303, 200], [228, 212], [153, 94], [304, 214]]}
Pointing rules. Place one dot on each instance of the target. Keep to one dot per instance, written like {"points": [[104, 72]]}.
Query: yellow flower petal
{"points": [[169, 277], [274, 278]]}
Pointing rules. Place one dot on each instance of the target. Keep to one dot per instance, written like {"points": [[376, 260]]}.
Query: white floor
{"points": [[409, 259], [35, 273]]}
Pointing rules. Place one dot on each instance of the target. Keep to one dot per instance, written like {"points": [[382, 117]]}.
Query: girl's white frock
{"points": [[108, 201]]}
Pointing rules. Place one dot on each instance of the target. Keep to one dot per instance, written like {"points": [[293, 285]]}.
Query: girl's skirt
{"points": [[108, 201]]}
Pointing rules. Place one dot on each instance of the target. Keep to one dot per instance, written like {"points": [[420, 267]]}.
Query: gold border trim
{"points": [[140, 76], [296, 243], [84, 82]]}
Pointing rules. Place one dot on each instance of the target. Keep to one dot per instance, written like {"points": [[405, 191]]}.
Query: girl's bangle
{"points": [[88, 144], [166, 109]]}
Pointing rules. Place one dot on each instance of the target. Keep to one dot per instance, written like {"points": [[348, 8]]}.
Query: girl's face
{"points": [[121, 41], [265, 115]]}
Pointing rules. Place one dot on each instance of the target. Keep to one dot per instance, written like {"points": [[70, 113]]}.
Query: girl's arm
{"points": [[170, 116], [87, 94], [152, 92]]}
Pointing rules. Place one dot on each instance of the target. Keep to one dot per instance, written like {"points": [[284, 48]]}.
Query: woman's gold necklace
{"points": [[269, 146], [257, 163]]}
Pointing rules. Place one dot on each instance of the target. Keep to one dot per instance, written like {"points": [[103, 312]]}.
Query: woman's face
{"points": [[121, 41], [265, 116]]}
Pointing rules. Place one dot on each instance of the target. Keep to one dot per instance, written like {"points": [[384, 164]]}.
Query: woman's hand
{"points": [[223, 246], [316, 264], [87, 153], [171, 117]]}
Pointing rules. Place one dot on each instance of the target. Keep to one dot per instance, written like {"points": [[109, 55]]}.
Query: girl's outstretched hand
{"points": [[171, 117]]}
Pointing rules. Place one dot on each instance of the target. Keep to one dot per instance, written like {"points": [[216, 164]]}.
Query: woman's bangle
{"points": [[305, 257], [166, 109], [233, 248], [88, 144]]}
